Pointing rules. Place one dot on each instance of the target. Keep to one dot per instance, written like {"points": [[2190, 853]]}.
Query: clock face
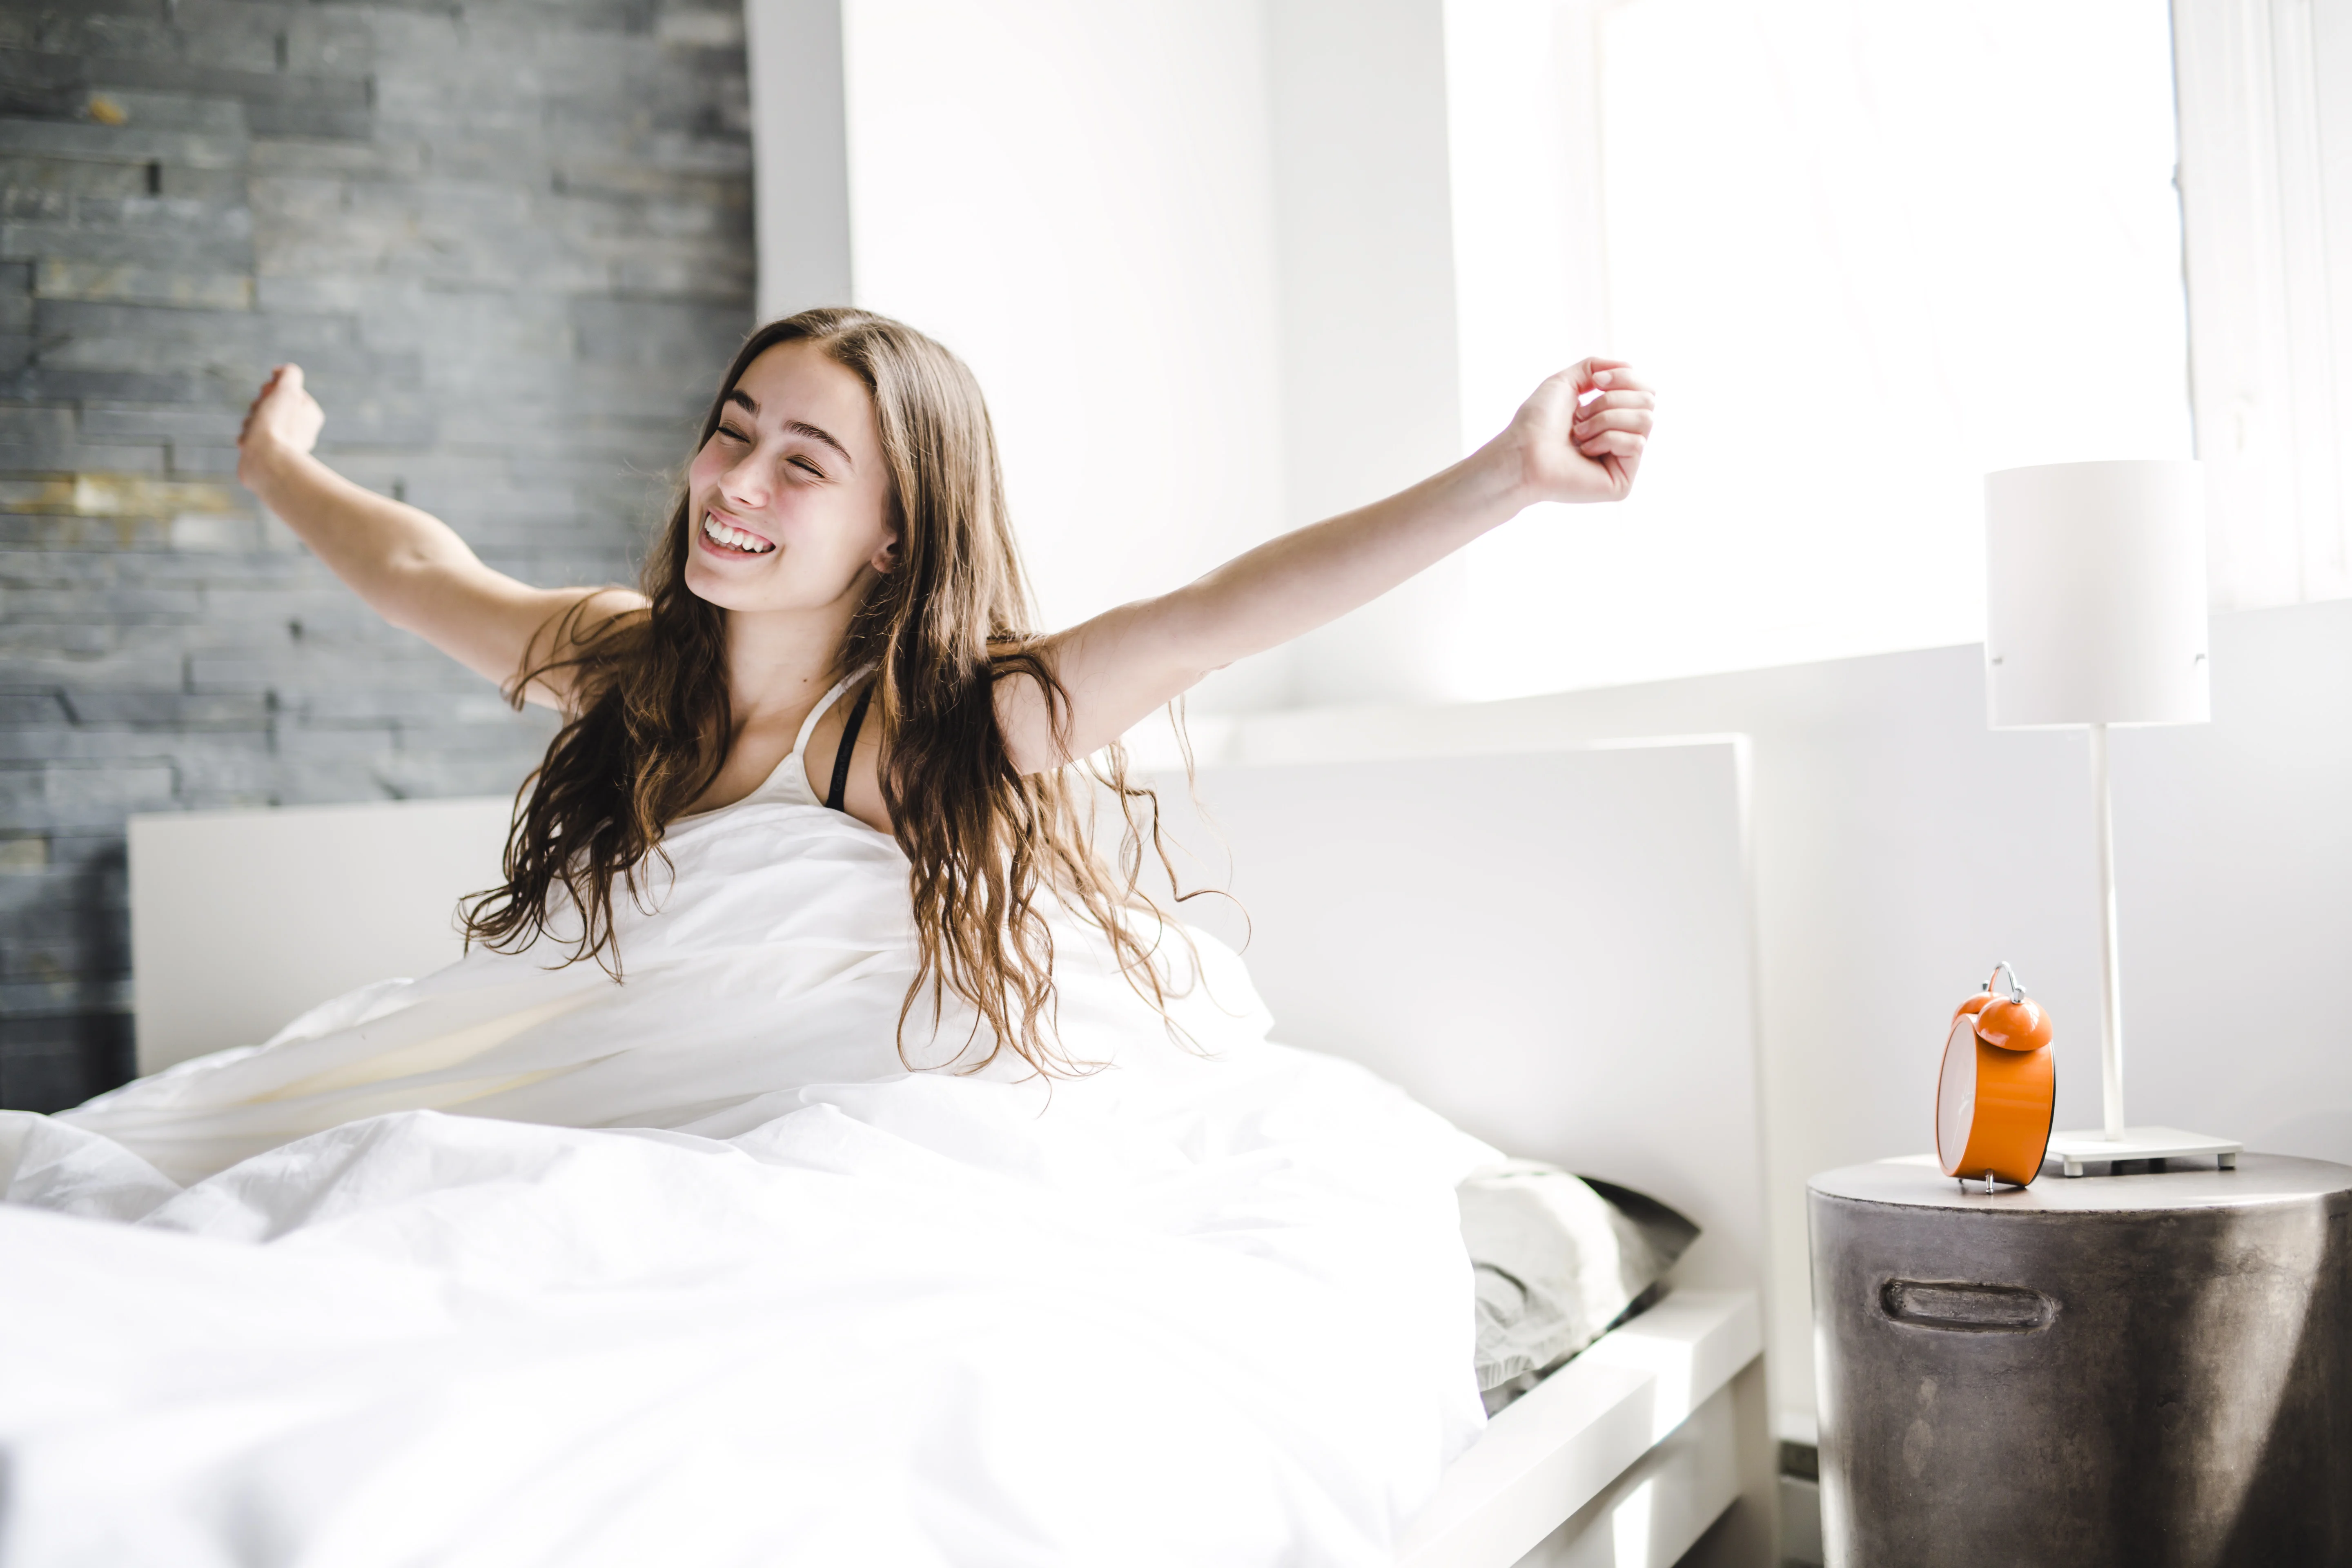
{"points": [[1955, 1094]]}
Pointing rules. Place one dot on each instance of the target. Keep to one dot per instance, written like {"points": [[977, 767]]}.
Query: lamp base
{"points": [[2073, 1150]]}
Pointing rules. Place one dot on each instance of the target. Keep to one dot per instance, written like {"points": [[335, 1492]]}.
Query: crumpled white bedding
{"points": [[515, 1267]]}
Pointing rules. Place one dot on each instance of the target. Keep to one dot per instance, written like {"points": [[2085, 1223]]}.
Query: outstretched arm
{"points": [[1579, 438], [409, 566]]}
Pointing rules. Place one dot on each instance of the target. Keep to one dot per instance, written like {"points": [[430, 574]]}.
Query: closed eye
{"points": [[733, 434], [806, 467]]}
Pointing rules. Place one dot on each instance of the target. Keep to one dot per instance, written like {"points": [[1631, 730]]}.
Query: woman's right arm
{"points": [[409, 566]]}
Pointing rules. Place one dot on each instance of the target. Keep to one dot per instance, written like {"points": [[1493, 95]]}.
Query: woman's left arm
{"points": [[1562, 446]]}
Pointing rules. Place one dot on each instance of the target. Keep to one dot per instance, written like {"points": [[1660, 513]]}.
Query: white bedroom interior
{"points": [[1702, 784], [1871, 253]]}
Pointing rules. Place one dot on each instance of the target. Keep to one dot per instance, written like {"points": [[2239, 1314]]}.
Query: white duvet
{"points": [[513, 1266]]}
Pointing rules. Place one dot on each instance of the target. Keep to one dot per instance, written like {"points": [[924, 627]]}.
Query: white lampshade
{"points": [[2095, 595]]}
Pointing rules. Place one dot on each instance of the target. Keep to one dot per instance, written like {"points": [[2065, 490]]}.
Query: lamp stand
{"points": [[2114, 1140], [2111, 963]]}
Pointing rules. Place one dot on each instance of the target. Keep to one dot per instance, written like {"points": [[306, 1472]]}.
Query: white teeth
{"points": [[733, 537]]}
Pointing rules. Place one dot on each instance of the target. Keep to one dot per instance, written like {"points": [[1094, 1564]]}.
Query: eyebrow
{"points": [[796, 426]]}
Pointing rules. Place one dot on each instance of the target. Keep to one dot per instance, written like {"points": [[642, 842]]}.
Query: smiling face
{"points": [[789, 497]]}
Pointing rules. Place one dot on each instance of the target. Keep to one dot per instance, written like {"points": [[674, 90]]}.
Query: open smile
{"points": [[726, 539]]}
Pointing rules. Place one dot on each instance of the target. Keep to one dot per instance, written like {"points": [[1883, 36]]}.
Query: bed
{"points": [[1552, 948]]}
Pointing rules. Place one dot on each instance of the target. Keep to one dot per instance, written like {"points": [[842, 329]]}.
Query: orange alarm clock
{"points": [[1999, 1087]]}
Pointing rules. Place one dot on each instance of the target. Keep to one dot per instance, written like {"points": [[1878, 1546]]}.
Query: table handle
{"points": [[1967, 1309]]}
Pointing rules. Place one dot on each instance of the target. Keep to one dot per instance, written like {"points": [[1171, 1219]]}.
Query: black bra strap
{"points": [[840, 790]]}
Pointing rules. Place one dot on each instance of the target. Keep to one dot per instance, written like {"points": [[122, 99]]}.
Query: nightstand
{"points": [[2142, 1370]]}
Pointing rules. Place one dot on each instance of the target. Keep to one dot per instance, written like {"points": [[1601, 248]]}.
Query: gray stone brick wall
{"points": [[509, 241]]}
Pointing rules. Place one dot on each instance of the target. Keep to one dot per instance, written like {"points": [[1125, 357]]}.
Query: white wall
{"points": [[1203, 259], [800, 154], [1370, 357], [1078, 199]]}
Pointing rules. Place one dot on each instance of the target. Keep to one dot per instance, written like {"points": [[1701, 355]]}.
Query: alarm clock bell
{"points": [[1999, 1087]]}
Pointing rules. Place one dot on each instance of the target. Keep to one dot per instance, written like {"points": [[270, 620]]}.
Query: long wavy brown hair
{"points": [[650, 725]]}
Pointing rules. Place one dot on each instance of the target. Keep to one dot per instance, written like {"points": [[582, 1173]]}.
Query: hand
{"points": [[1579, 437], [284, 417]]}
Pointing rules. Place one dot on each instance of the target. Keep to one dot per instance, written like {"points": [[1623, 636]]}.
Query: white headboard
{"points": [[1552, 948], [242, 919]]}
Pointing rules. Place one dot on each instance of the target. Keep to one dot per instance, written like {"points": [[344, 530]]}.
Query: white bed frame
{"points": [[1553, 948], [1626, 1456]]}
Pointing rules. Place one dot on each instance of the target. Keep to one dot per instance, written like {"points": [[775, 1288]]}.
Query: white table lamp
{"points": [[2095, 614]]}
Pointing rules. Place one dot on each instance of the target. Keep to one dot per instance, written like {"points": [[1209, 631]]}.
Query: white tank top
{"points": [[788, 784]]}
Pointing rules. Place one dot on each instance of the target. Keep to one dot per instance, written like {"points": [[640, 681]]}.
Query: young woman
{"points": [[846, 1164], [833, 621]]}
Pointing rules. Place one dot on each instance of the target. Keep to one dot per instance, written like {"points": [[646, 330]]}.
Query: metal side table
{"points": [[2138, 1370]]}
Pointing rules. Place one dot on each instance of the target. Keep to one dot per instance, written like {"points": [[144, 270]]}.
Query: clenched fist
{"points": [[284, 417]]}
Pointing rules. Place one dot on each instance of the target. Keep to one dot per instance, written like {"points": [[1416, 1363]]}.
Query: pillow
{"points": [[1560, 1261]]}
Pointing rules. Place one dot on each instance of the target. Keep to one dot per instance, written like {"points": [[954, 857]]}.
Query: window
{"points": [[1868, 252]]}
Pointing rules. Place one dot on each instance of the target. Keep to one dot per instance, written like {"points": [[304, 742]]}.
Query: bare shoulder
{"points": [[862, 788], [1025, 718]]}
